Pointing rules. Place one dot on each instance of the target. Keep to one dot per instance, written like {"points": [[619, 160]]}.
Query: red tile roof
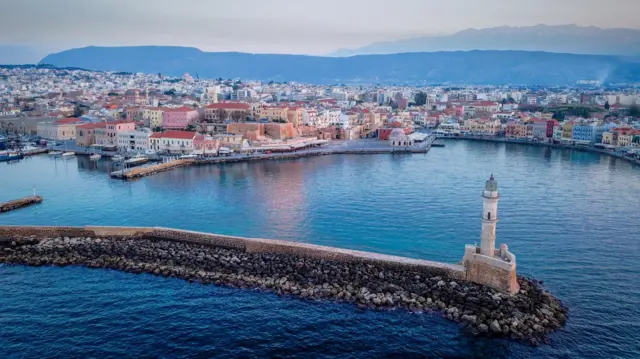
{"points": [[67, 121], [181, 135], [91, 126], [230, 106]]}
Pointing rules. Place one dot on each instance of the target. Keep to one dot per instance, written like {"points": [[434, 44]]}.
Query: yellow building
{"points": [[610, 138], [152, 117], [567, 130], [274, 113], [295, 115], [233, 142]]}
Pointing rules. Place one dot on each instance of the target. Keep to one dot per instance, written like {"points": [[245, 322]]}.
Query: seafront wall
{"points": [[249, 245], [368, 280], [545, 144]]}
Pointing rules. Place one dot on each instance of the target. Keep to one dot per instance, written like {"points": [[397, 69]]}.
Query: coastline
{"points": [[367, 280], [544, 144]]}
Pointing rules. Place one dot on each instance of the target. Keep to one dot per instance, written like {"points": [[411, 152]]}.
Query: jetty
{"points": [[138, 172], [309, 272], [19, 203]]}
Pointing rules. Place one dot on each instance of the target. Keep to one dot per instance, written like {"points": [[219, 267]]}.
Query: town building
{"points": [[133, 141], [59, 130], [85, 133], [172, 141], [179, 118]]}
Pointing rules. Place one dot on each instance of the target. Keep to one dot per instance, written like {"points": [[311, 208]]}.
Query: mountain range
{"points": [[564, 39], [459, 67]]}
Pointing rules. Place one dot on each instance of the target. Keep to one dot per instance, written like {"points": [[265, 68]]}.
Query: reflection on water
{"points": [[571, 218]]}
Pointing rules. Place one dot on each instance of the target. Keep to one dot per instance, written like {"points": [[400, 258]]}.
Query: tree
{"points": [[236, 116], [191, 127], [171, 92], [420, 98], [157, 129], [112, 94], [634, 111], [77, 111], [222, 114], [607, 106]]}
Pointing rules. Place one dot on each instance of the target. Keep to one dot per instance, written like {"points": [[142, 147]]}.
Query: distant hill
{"points": [[473, 67], [562, 39]]}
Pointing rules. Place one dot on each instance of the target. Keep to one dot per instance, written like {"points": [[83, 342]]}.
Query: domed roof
{"points": [[397, 133]]}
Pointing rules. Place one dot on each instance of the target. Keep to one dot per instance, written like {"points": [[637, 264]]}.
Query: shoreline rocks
{"points": [[528, 316]]}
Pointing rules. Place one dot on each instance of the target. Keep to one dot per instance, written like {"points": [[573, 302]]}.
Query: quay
{"points": [[363, 147], [544, 144], [138, 172], [19, 203]]}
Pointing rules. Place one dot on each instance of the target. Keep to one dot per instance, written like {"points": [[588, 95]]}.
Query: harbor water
{"points": [[572, 218]]}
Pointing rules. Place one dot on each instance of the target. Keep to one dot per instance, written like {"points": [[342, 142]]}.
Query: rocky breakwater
{"points": [[528, 316]]}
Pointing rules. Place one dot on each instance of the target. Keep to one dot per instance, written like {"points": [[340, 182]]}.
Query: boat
{"points": [[117, 158], [95, 157], [10, 156], [185, 157], [137, 160], [68, 154], [55, 153]]}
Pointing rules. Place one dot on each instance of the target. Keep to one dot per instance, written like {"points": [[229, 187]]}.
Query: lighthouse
{"points": [[484, 264], [489, 217]]}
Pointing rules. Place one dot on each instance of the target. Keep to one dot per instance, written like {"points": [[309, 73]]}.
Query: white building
{"points": [[172, 141], [134, 141]]}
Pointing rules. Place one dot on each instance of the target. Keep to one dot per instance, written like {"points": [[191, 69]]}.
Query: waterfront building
{"points": [[230, 141], [567, 130], [398, 139], [485, 264], [628, 138], [59, 130], [587, 133], [85, 133], [133, 141], [179, 118], [610, 138], [172, 141], [206, 145], [557, 132]]}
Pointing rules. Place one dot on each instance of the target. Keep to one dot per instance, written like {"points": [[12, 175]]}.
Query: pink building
{"points": [[108, 135], [179, 118], [206, 144]]}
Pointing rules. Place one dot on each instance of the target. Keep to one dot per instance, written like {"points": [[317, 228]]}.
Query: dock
{"points": [[19, 203], [138, 172]]}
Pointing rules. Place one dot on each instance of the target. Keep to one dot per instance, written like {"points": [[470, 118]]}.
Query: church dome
{"points": [[397, 133]]}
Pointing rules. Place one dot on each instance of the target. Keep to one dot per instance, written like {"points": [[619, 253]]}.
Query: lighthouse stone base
{"points": [[498, 272]]}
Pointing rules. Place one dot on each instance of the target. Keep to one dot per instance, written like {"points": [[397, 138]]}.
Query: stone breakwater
{"points": [[529, 315]]}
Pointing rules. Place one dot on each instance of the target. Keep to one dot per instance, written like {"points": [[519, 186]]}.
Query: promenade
{"points": [[546, 144]]}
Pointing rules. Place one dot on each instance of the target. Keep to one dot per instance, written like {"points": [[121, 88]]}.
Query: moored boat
{"points": [[95, 157], [137, 160], [117, 158], [68, 154], [10, 156], [55, 153]]}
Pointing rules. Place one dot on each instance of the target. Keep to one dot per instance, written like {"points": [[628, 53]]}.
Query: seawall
{"points": [[368, 280], [545, 144]]}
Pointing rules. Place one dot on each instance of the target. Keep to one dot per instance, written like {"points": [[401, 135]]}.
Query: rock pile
{"points": [[530, 315]]}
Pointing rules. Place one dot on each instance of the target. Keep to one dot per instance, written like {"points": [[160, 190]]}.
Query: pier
{"points": [[19, 203], [139, 172], [355, 147], [306, 271]]}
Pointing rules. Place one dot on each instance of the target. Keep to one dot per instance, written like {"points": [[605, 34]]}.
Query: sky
{"points": [[277, 26]]}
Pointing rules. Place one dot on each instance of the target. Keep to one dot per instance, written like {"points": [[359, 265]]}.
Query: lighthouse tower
{"points": [[489, 217], [484, 264]]}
